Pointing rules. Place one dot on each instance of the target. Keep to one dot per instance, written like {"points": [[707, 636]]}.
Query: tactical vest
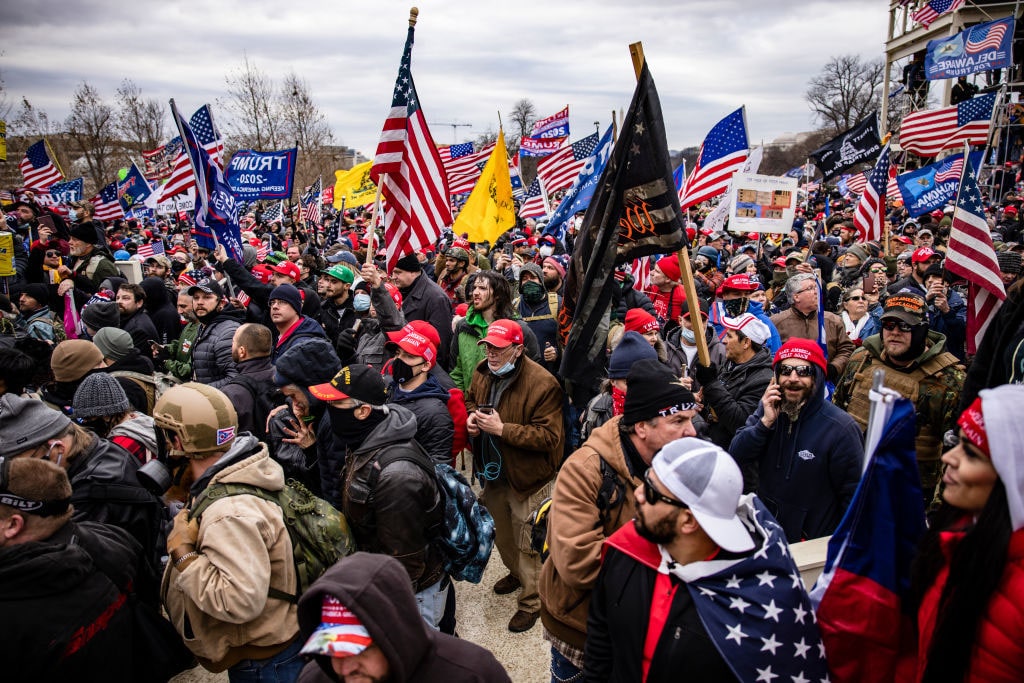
{"points": [[552, 306], [908, 384]]}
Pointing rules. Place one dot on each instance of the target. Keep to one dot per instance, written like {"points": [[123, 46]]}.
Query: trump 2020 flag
{"points": [[859, 595], [133, 190], [216, 208]]}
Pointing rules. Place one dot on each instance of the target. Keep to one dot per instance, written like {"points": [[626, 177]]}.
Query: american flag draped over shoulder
{"points": [[971, 256], [723, 151], [38, 169], [408, 169], [559, 170], [928, 132], [870, 211], [106, 204], [934, 9]]}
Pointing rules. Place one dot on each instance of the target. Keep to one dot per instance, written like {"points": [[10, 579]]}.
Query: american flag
{"points": [[518, 191], [856, 183], [950, 171], [870, 211], [311, 202], [723, 152], [155, 248], [106, 204], [934, 9], [408, 170], [533, 204], [274, 213], [159, 162], [37, 169], [926, 133], [641, 271], [985, 37], [182, 179], [462, 165], [262, 252], [559, 170], [971, 256]]}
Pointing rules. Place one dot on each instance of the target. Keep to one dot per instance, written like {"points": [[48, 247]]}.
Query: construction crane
{"points": [[455, 127]]}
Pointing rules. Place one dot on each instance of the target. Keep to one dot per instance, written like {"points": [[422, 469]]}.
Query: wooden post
{"points": [[636, 51]]}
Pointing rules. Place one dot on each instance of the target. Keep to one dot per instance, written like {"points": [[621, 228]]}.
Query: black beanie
{"points": [[314, 361], [87, 232], [409, 263], [653, 391], [38, 291]]}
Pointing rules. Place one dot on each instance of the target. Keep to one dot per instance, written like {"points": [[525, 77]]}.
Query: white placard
{"points": [[762, 203]]}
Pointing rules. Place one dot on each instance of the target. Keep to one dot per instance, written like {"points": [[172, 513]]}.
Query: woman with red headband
{"points": [[968, 583]]}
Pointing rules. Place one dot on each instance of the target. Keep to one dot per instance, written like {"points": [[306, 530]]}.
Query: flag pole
{"points": [[54, 157], [636, 51], [371, 230]]}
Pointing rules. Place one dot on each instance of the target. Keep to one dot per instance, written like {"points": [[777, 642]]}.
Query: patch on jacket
{"points": [[805, 455]]}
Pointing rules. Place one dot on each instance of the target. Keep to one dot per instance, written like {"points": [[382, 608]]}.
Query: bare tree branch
{"points": [[845, 91]]}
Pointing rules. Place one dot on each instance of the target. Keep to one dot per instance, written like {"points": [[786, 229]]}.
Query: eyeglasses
{"points": [[653, 496], [800, 370], [856, 298], [890, 325], [808, 289]]}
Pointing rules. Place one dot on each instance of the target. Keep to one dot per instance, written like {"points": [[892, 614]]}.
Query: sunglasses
{"points": [[877, 271], [653, 496], [800, 370], [51, 254], [856, 298], [890, 325]]}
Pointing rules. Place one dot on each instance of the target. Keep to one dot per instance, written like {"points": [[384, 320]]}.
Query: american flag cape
{"points": [[971, 256], [408, 170], [37, 169], [754, 607], [867, 571], [928, 132], [721, 154]]}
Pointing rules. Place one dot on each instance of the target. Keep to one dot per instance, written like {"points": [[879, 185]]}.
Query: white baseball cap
{"points": [[708, 480], [754, 329]]}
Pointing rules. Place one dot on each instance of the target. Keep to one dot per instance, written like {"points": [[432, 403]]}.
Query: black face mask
{"points": [[533, 292], [348, 431], [402, 372], [734, 308]]}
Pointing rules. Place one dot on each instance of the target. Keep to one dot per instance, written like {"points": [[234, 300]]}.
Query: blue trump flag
{"points": [[133, 189], [859, 595], [67, 192], [982, 47], [262, 175], [930, 187], [216, 207], [582, 191]]}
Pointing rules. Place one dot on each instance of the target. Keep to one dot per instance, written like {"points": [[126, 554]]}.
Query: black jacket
{"points": [[140, 326], [260, 292], [65, 617], [735, 395], [425, 300], [376, 590], [211, 351], [161, 310], [434, 428], [262, 373]]}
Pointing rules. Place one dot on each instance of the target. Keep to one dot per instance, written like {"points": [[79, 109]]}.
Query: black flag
{"points": [[860, 143], [635, 212]]}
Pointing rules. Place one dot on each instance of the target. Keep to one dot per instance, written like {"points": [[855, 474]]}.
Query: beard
{"points": [[792, 408], [663, 533]]}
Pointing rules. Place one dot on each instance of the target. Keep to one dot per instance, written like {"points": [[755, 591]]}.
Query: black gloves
{"points": [[705, 374]]}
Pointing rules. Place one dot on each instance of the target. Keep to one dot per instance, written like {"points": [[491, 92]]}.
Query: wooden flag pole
{"points": [[636, 51]]}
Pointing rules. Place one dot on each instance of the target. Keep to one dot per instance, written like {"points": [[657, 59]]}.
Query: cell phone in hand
{"points": [[869, 283], [486, 408]]}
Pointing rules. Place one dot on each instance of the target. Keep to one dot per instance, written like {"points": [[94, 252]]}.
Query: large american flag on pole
{"points": [[971, 256], [408, 170], [182, 179], [721, 154], [38, 169], [463, 166], [934, 9], [107, 208], [928, 132], [870, 211], [559, 170]]}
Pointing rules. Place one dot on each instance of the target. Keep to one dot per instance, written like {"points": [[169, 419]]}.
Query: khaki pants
{"points": [[512, 536]]}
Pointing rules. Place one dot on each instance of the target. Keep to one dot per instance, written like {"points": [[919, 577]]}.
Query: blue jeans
{"points": [[562, 670], [431, 601], [284, 667]]}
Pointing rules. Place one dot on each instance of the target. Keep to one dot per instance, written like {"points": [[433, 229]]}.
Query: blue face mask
{"points": [[688, 335], [73, 214], [361, 302], [504, 370]]}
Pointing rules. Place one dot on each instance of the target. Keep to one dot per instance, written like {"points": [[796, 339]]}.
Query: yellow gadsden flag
{"points": [[354, 186], [489, 210]]}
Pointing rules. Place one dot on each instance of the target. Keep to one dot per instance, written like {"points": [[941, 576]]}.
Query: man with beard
{"points": [[131, 303], [36, 318], [92, 263], [390, 495], [697, 583], [807, 451], [423, 299], [554, 273], [918, 366], [337, 312], [451, 280], [211, 352], [177, 356]]}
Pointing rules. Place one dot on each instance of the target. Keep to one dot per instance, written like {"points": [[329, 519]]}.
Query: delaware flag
{"points": [[489, 211], [867, 572]]}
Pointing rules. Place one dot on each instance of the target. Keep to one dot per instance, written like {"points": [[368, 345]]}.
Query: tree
{"points": [[523, 116], [845, 92], [138, 121], [255, 119], [303, 124], [90, 127]]}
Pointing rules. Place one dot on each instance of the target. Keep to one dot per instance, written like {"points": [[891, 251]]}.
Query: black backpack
{"points": [[264, 399]]}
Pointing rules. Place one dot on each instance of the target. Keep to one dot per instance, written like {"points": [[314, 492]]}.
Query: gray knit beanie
{"points": [[100, 314], [113, 342], [27, 423], [100, 395]]}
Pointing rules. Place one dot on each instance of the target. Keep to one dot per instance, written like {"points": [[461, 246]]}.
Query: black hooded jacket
{"points": [[376, 589]]}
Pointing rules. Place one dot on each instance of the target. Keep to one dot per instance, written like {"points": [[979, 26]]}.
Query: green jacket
{"points": [[465, 353], [180, 350]]}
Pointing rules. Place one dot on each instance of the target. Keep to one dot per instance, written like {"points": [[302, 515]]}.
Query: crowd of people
{"points": [[124, 403]]}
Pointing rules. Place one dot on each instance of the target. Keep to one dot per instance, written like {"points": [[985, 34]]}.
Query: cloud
{"points": [[470, 60]]}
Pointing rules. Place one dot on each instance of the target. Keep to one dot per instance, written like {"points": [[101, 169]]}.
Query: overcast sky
{"points": [[472, 58]]}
